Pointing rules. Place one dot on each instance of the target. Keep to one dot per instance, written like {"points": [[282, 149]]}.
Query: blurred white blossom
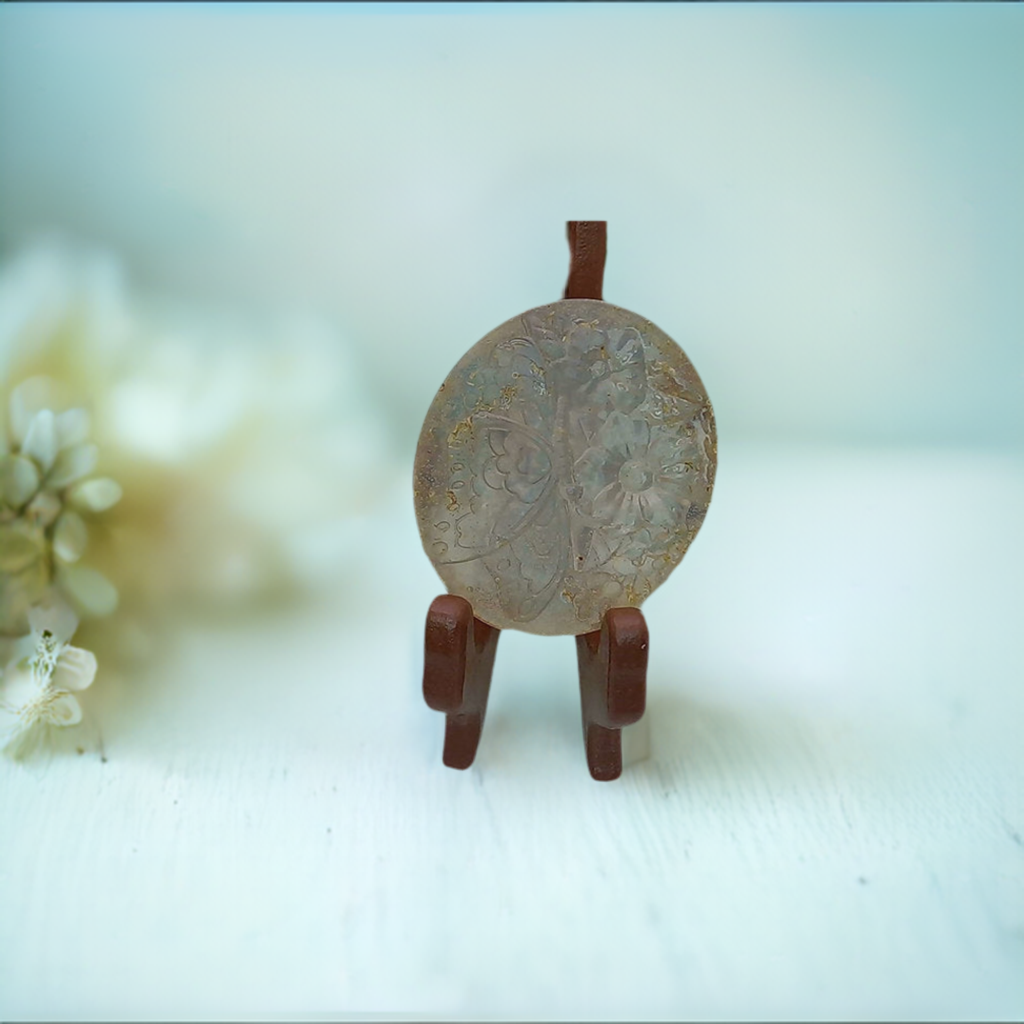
{"points": [[37, 688], [241, 447]]}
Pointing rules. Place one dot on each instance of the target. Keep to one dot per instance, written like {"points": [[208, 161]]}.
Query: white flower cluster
{"points": [[45, 499]]}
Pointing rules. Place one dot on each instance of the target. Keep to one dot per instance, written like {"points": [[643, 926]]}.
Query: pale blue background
{"points": [[823, 204]]}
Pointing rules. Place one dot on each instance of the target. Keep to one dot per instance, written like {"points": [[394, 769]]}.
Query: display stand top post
{"points": [[588, 246]]}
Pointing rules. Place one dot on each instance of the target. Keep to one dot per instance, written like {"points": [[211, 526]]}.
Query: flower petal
{"points": [[72, 464], [583, 339], [70, 537], [76, 669], [17, 550], [638, 438], [64, 710], [615, 434], [27, 399], [19, 479], [40, 443], [608, 502], [43, 509], [493, 477], [596, 467], [19, 686], [12, 730], [56, 618], [72, 428], [90, 591], [18, 592], [14, 649], [95, 495], [659, 509]]}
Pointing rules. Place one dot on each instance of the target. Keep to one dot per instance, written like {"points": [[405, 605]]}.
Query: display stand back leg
{"points": [[458, 661], [613, 686]]}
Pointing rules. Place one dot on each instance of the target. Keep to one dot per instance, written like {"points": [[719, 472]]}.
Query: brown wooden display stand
{"points": [[460, 649]]}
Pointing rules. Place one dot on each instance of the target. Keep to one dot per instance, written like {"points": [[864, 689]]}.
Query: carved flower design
{"points": [[631, 475], [513, 478], [602, 368], [517, 465]]}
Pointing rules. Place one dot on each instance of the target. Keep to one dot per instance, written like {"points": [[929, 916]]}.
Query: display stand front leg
{"points": [[613, 686], [457, 665]]}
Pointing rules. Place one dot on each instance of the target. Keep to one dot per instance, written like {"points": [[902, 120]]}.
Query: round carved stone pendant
{"points": [[564, 467]]}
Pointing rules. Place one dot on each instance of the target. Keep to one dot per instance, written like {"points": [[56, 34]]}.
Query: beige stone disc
{"points": [[564, 467]]}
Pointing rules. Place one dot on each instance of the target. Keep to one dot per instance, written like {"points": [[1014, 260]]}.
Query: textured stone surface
{"points": [[564, 467]]}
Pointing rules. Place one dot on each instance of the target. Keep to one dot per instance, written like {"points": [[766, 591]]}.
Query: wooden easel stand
{"points": [[459, 648]]}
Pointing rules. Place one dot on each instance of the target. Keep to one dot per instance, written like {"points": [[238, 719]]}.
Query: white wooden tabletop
{"points": [[831, 822]]}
